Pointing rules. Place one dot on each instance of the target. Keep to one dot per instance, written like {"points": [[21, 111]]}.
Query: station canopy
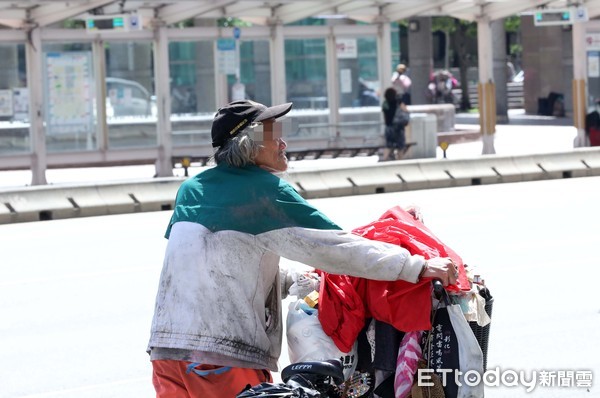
{"points": [[24, 14]]}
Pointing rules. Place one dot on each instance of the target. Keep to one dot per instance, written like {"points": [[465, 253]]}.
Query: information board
{"points": [[69, 90]]}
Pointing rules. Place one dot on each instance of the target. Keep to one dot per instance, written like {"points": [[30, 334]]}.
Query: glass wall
{"points": [[306, 73], [358, 72], [193, 95], [360, 87], [255, 72], [593, 80], [130, 97], [396, 46], [14, 100], [69, 97], [306, 82]]}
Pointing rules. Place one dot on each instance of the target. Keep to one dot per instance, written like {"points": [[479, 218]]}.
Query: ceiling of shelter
{"points": [[19, 14]]}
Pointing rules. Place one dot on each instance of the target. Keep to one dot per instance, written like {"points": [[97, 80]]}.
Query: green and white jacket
{"points": [[219, 295]]}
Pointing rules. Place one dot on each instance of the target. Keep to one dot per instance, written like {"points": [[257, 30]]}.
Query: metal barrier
{"points": [[40, 203]]}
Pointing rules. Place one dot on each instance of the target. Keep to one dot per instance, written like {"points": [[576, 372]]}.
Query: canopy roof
{"points": [[25, 13]]}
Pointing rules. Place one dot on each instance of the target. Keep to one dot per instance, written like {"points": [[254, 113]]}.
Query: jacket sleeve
{"points": [[341, 252]]}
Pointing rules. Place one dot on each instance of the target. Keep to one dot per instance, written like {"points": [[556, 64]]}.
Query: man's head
{"points": [[233, 118], [401, 68], [246, 132]]}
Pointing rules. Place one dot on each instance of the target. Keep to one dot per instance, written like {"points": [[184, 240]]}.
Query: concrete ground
{"points": [[77, 295]]}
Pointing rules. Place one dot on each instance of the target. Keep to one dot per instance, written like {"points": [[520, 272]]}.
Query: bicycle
{"points": [[314, 379]]}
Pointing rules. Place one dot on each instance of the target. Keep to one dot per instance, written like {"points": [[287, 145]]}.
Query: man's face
{"points": [[272, 147]]}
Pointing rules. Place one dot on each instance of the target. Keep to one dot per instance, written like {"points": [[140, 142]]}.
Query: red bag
{"points": [[399, 227]]}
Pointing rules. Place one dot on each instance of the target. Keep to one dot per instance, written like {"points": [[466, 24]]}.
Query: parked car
{"points": [[127, 98]]}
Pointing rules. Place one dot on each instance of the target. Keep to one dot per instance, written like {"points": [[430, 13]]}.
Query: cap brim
{"points": [[274, 112]]}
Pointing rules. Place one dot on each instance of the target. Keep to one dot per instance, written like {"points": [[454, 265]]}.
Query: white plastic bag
{"points": [[308, 342], [470, 354]]}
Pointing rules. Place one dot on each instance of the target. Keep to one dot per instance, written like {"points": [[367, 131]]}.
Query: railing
{"points": [[514, 92]]}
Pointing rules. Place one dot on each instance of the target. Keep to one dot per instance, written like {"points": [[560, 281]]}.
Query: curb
{"points": [[40, 203]]}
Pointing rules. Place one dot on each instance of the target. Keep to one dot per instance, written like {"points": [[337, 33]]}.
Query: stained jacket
{"points": [[219, 294]]}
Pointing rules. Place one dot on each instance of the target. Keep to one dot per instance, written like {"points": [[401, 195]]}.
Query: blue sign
{"points": [[236, 32], [225, 44]]}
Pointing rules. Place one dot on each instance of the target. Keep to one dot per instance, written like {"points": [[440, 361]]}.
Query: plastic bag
{"points": [[452, 345], [308, 342]]}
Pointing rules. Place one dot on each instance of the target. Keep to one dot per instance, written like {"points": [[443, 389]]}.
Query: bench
{"points": [[334, 152], [297, 154]]}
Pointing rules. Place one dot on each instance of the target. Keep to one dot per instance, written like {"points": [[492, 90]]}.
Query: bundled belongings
{"points": [[348, 301], [400, 330]]}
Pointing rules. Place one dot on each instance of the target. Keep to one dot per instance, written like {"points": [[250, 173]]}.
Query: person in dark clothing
{"points": [[395, 138]]}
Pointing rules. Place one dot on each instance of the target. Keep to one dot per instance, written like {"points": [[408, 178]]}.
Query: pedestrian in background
{"points": [[401, 83], [396, 117], [217, 323]]}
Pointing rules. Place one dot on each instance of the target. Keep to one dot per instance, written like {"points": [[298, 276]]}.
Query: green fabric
{"points": [[248, 199]]}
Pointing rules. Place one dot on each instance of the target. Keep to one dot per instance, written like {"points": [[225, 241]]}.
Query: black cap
{"points": [[236, 116]]}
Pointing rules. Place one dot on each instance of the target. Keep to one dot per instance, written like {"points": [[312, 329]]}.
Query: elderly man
{"points": [[217, 323]]}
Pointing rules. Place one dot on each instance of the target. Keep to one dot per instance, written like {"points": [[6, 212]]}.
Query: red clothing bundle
{"points": [[346, 301]]}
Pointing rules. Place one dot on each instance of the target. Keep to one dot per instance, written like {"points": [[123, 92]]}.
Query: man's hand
{"points": [[442, 268], [305, 283]]}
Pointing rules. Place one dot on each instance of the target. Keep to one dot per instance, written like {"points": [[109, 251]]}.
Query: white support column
{"points": [[486, 88], [221, 93], [99, 61], [384, 52], [333, 84], [164, 166], [36, 112], [277, 59], [579, 83]]}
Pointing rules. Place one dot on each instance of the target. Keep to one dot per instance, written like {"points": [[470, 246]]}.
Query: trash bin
{"points": [[553, 105], [543, 107]]}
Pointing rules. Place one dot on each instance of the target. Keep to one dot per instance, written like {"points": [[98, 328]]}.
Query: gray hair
{"points": [[240, 151]]}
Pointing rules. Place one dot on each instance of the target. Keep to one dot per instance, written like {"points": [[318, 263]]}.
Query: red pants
{"points": [[171, 379]]}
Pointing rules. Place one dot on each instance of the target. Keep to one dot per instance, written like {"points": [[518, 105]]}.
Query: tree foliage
{"points": [[459, 31]]}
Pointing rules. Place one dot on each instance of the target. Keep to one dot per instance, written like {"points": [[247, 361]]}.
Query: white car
{"points": [[127, 98]]}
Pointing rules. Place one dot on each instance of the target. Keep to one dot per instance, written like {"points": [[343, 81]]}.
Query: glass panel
{"points": [[130, 98], [255, 72], [396, 46], [193, 105], [306, 81], [14, 100], [69, 97], [306, 74], [593, 73], [359, 77], [360, 87]]}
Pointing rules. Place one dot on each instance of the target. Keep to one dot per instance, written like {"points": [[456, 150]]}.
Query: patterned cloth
{"points": [[407, 364]]}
